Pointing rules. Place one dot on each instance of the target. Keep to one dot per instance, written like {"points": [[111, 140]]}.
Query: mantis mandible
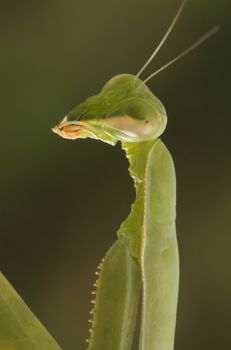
{"points": [[144, 259]]}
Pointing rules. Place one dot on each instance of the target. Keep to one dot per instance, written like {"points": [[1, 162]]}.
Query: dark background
{"points": [[62, 201]]}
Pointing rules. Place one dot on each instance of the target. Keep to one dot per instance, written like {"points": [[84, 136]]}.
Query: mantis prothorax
{"points": [[145, 256]]}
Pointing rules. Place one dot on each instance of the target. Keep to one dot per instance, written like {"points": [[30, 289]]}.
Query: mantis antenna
{"points": [[172, 25], [191, 48]]}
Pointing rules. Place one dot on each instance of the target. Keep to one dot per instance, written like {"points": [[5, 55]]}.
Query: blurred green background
{"points": [[62, 201]]}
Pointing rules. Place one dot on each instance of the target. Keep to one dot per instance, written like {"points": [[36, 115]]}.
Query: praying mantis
{"points": [[144, 259], [143, 263]]}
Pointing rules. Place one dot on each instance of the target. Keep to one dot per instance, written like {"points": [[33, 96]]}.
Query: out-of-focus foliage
{"points": [[19, 328]]}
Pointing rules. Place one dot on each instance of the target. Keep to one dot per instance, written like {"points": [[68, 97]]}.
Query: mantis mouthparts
{"points": [[71, 129]]}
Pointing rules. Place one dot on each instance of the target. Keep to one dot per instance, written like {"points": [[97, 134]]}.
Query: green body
{"points": [[144, 260]]}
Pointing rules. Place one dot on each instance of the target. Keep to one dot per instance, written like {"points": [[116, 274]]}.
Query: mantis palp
{"points": [[145, 255]]}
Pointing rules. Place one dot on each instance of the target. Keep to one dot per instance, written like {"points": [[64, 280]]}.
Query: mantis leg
{"points": [[118, 289], [159, 253], [160, 291]]}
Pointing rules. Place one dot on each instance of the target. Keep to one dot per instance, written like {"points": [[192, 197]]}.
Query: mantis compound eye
{"points": [[136, 120]]}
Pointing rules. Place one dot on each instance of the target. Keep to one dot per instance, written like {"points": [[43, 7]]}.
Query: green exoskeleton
{"points": [[145, 255], [144, 259], [143, 262]]}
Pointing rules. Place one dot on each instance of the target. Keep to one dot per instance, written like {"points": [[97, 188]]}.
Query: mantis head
{"points": [[124, 110]]}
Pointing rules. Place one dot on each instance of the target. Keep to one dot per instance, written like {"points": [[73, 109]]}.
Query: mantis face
{"points": [[124, 110]]}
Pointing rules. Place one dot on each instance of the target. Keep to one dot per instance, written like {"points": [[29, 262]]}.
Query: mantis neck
{"points": [[134, 226]]}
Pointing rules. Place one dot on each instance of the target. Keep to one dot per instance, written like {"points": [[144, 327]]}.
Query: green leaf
{"points": [[19, 328]]}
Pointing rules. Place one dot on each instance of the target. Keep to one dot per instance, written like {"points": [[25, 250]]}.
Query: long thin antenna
{"points": [[164, 38], [196, 44]]}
